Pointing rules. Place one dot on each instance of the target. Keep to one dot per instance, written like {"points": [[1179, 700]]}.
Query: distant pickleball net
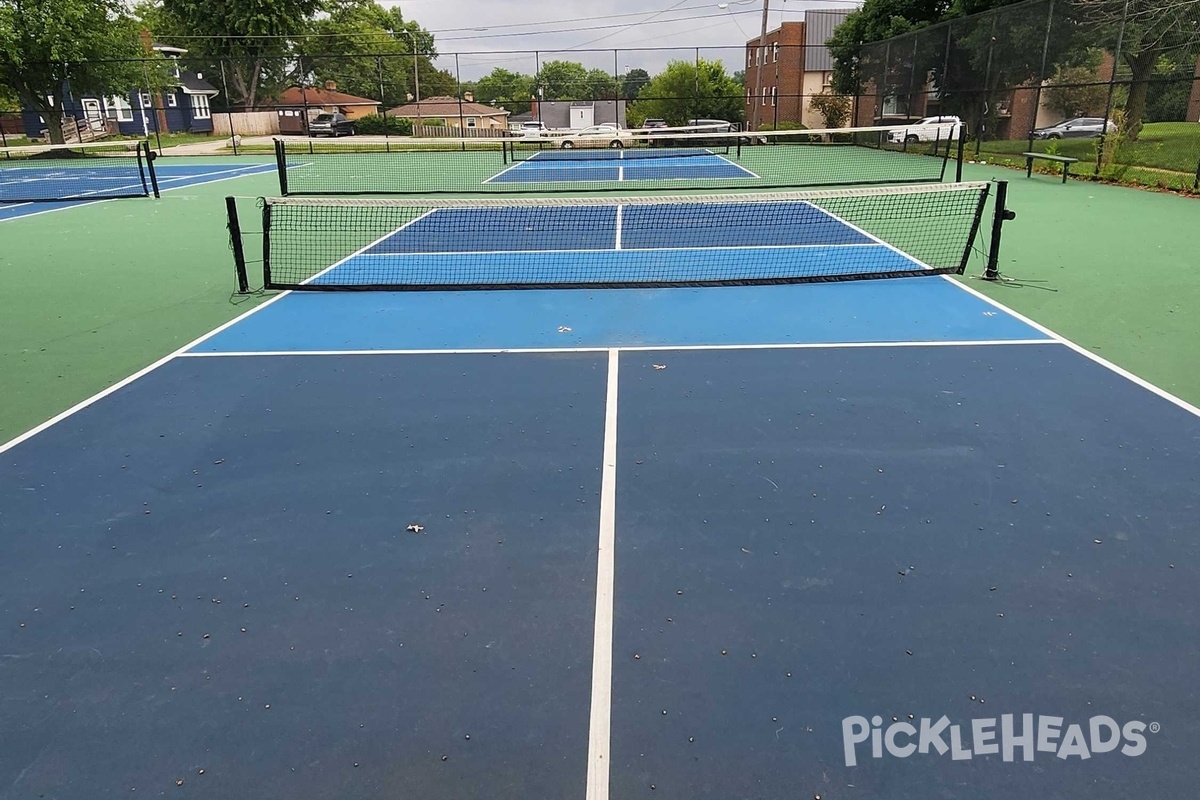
{"points": [[81, 171], [492, 243], [659, 160]]}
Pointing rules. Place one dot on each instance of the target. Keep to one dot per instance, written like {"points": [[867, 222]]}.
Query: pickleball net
{"points": [[658, 160], [590, 242], [77, 171]]}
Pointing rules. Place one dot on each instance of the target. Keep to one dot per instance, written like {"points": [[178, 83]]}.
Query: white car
{"points": [[533, 129], [596, 136], [929, 129]]}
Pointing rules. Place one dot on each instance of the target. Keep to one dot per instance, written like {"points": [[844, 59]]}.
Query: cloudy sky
{"points": [[481, 31]]}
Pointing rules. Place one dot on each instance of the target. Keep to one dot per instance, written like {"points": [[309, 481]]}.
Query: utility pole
{"points": [[761, 61]]}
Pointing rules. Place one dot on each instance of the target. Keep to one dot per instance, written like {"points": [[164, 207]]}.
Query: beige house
{"points": [[299, 105], [453, 113]]}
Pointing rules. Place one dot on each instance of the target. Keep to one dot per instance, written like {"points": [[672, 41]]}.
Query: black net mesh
{"points": [[330, 243], [615, 160], [88, 171]]}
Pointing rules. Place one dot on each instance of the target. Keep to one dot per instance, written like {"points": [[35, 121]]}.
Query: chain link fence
{"points": [[1113, 83]]}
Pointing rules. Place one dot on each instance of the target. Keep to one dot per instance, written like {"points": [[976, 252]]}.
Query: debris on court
{"points": [[659, 366], [415, 528], [564, 329]]}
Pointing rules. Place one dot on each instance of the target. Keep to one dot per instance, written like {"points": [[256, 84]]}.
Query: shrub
{"points": [[376, 124], [833, 107]]}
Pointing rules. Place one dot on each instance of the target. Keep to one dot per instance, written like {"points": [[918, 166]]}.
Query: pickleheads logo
{"points": [[1029, 735]]}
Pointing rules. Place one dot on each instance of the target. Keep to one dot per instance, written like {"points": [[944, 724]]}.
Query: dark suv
{"points": [[331, 125]]}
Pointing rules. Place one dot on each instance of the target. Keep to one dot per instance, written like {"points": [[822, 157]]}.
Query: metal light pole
{"points": [[758, 73]]}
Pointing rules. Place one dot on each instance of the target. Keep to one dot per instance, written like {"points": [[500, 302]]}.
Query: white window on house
{"points": [[764, 95], [470, 122], [749, 57], [145, 98], [775, 51], [50, 100], [757, 56], [200, 106], [172, 102], [118, 108], [749, 97], [774, 94], [827, 79]]}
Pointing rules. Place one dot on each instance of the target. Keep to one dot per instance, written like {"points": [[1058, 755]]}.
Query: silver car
{"points": [[1076, 128]]}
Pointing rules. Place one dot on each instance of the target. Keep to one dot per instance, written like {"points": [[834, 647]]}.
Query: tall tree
{"points": [[48, 47], [562, 80], [252, 38], [502, 87], [366, 50], [686, 90], [1149, 31], [599, 85], [632, 82]]}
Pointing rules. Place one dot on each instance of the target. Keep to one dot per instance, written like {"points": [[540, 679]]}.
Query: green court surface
{"points": [[94, 293]]}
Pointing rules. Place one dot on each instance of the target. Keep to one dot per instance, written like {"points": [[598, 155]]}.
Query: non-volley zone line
{"points": [[568, 167]]}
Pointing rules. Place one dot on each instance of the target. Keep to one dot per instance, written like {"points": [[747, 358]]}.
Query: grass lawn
{"points": [[1173, 146]]}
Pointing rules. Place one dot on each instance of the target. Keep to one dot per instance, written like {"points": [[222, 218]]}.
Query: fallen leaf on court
{"points": [[563, 329], [659, 366], [415, 528]]}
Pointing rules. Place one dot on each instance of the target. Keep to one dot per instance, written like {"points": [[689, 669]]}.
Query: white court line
{"points": [[599, 728], [1083, 351], [363, 249], [870, 236], [508, 169], [617, 240], [751, 173], [172, 355], [78, 204], [604, 348], [735, 247]]}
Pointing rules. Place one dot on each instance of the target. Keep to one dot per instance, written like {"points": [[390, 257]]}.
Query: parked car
{"points": [[533, 129], [720, 130], [596, 136], [654, 123], [335, 124], [929, 129], [1076, 128]]}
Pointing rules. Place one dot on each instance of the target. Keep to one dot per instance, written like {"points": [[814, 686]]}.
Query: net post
{"points": [[150, 158], [235, 243], [266, 243], [962, 138], [1002, 214], [281, 165]]}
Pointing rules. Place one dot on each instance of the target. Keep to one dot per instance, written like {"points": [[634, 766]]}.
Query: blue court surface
{"points": [[615, 244], [103, 181], [880, 539], [566, 166]]}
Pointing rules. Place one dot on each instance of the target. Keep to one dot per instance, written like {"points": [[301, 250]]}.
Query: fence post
{"points": [[1112, 85], [1037, 97]]}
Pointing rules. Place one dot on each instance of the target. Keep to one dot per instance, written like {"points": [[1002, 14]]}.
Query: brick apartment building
{"points": [[795, 65]]}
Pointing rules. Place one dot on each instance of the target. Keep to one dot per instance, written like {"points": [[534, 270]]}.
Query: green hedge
{"points": [[376, 124]]}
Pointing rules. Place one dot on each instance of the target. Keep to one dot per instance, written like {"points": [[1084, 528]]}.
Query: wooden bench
{"points": [[1066, 161]]}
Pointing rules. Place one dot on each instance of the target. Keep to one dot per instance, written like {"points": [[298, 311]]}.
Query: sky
{"points": [[646, 33]]}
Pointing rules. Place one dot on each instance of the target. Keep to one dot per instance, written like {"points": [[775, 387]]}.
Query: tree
{"points": [[835, 108], [371, 49], [505, 87], [599, 85], [875, 21], [1149, 31], [632, 82], [562, 80], [1076, 92], [264, 61], [690, 90], [48, 46], [739, 78]]}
